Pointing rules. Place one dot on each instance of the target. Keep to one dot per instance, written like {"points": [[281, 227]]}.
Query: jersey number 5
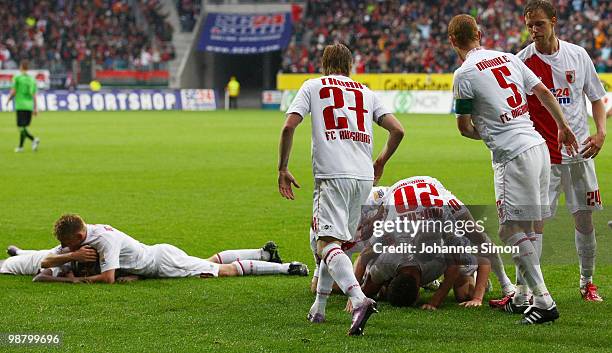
{"points": [[500, 73], [338, 99]]}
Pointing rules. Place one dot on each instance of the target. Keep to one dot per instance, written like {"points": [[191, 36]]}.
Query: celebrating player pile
{"points": [[342, 114], [491, 104], [425, 199]]}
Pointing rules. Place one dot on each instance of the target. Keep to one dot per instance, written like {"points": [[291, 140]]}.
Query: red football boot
{"points": [[589, 293], [501, 303]]}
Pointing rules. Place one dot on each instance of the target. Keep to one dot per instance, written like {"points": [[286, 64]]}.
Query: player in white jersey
{"points": [[118, 250], [491, 104], [432, 209], [568, 72], [22, 262], [28, 262], [368, 211], [343, 112]]}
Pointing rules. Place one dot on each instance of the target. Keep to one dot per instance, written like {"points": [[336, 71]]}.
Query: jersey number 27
{"points": [[338, 99]]}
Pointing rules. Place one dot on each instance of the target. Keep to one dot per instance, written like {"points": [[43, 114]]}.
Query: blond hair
{"points": [[337, 59], [67, 226]]}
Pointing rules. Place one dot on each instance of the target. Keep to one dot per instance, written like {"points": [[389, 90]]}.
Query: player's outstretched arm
{"points": [[466, 127], [46, 276], [104, 277], [370, 288], [127, 279], [450, 277], [482, 277], [594, 143], [84, 254], [285, 179], [396, 134], [566, 137]]}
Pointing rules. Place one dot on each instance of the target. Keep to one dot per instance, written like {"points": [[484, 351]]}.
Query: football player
{"points": [[343, 113], [118, 250], [491, 104], [566, 70], [425, 199]]}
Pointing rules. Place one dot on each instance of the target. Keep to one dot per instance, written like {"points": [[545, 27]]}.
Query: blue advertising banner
{"points": [[120, 100], [245, 34]]}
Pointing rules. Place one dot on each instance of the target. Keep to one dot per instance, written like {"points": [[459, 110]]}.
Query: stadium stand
{"points": [[188, 12], [110, 35], [410, 36]]}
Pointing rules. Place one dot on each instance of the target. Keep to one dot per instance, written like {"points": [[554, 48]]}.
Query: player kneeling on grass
{"points": [[118, 250], [398, 277], [427, 204]]}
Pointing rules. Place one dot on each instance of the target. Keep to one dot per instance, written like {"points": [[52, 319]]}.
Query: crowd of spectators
{"points": [[109, 34], [410, 36]]}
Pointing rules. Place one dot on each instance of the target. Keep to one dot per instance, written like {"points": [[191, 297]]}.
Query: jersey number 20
{"points": [[406, 197]]}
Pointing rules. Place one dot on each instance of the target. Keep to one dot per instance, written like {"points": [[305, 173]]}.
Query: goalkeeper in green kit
{"points": [[24, 93]]}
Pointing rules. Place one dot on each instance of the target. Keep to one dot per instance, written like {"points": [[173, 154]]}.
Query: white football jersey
{"points": [[422, 196], [118, 250], [386, 266], [342, 113], [570, 75], [417, 198], [26, 264], [497, 84]]}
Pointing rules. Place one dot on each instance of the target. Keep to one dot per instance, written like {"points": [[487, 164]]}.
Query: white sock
{"points": [[497, 266], [522, 294], [25, 252], [586, 245], [536, 241], [253, 267], [229, 256], [541, 297], [522, 289], [526, 260], [341, 270], [324, 288]]}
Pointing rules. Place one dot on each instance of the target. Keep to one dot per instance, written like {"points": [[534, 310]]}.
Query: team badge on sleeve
{"points": [[570, 76]]}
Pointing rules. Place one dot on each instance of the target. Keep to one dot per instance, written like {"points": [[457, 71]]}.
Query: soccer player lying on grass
{"points": [[28, 263], [24, 262], [118, 250]]}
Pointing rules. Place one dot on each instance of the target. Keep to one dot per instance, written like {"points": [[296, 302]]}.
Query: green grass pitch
{"points": [[206, 181]]}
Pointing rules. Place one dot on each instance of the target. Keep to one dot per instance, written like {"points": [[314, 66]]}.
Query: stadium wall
{"points": [[403, 93], [121, 100]]}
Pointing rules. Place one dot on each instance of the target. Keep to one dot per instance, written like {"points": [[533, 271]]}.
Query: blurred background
{"points": [[201, 44]]}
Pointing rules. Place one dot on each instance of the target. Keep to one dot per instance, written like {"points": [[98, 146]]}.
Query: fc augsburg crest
{"points": [[570, 76]]}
